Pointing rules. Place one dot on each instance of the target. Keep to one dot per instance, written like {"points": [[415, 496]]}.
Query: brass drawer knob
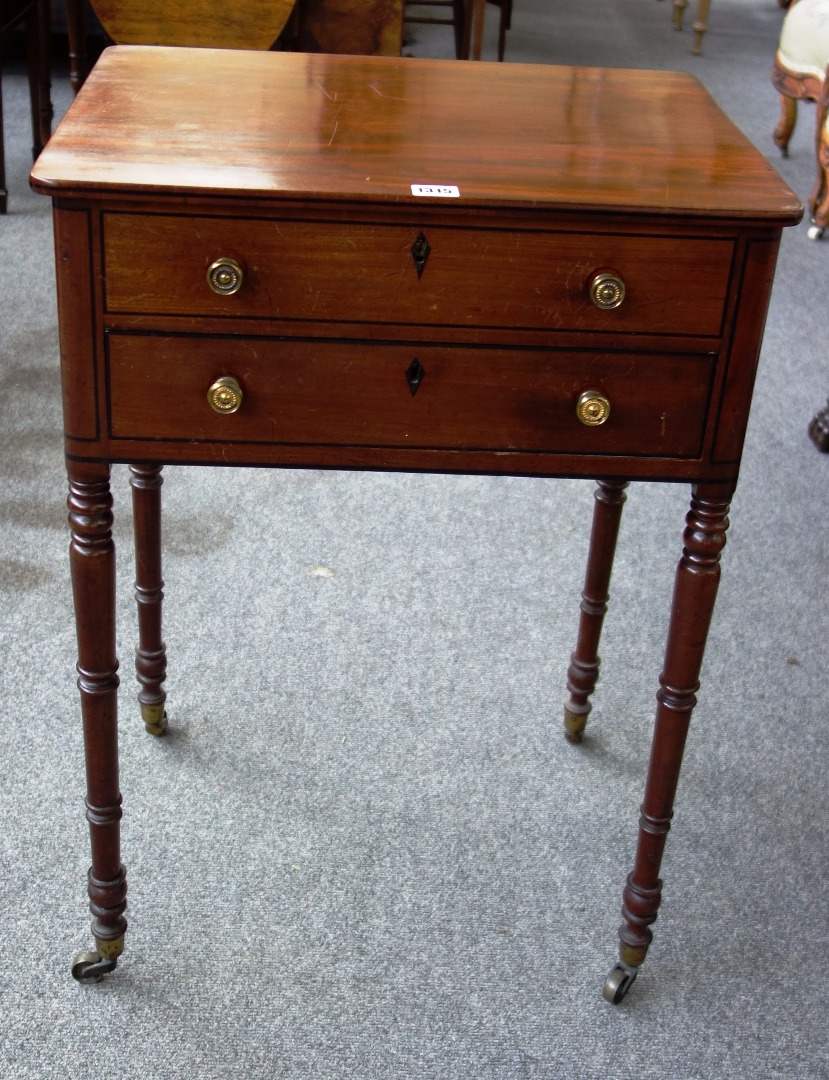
{"points": [[607, 290], [225, 395], [592, 408], [225, 276]]}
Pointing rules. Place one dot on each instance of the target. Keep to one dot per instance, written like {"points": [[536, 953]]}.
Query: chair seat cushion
{"points": [[804, 39]]}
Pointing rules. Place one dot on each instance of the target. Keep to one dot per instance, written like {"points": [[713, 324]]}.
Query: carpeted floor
{"points": [[364, 849]]}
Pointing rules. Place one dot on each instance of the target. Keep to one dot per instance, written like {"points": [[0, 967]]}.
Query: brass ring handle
{"points": [[225, 395], [225, 276], [592, 408], [607, 290]]}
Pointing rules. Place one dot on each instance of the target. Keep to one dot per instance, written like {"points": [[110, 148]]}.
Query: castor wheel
{"points": [[89, 967], [819, 429], [618, 982], [155, 719]]}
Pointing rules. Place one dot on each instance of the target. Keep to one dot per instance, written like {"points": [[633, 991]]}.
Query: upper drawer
{"points": [[330, 271]]}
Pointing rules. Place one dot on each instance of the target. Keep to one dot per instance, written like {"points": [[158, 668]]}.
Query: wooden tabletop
{"points": [[197, 121]]}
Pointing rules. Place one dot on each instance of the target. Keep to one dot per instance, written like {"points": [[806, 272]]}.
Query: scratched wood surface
{"points": [[318, 126]]}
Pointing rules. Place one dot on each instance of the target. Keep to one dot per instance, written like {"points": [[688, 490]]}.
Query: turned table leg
{"points": [[695, 590], [583, 671], [150, 654], [92, 562]]}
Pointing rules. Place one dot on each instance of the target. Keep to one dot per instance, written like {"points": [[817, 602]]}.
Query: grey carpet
{"points": [[364, 850]]}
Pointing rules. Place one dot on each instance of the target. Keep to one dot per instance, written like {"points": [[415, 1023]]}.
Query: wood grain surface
{"points": [[317, 126]]}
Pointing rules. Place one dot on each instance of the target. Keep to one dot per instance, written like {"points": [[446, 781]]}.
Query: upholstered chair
{"points": [[800, 74], [800, 62]]}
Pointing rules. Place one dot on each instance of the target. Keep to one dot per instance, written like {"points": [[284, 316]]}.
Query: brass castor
{"points": [[90, 967], [155, 718], [618, 982], [575, 723]]}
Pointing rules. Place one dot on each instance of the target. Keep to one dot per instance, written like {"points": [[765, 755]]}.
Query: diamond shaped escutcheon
{"points": [[414, 375], [421, 250]]}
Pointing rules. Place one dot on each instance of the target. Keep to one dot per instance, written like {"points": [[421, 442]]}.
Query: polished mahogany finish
{"points": [[334, 271], [557, 138], [330, 264]]}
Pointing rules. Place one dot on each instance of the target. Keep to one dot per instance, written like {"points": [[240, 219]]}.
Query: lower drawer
{"points": [[359, 393]]}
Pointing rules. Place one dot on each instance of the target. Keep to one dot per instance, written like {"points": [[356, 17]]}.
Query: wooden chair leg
{"points": [[503, 25], [76, 34], [459, 22], [36, 25], [38, 63], [786, 124], [819, 200], [473, 31], [700, 25]]}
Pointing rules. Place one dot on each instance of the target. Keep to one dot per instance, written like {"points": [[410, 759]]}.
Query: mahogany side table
{"points": [[333, 264]]}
